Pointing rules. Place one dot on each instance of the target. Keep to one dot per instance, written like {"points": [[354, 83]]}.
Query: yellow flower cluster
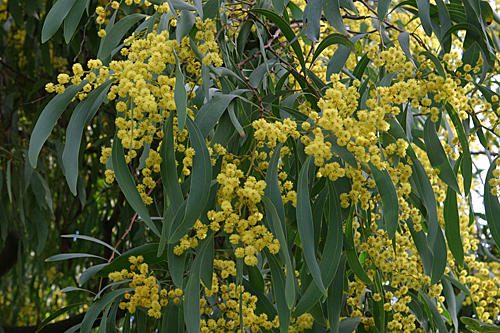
{"points": [[147, 292]]}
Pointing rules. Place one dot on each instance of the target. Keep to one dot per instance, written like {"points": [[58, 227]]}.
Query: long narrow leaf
{"points": [[127, 184], [304, 222]]}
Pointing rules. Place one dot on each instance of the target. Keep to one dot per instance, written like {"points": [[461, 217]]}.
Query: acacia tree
{"points": [[264, 166]]}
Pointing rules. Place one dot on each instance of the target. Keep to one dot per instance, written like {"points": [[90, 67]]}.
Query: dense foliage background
{"points": [[234, 142]]}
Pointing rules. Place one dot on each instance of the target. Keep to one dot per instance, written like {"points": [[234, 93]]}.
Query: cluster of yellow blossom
{"points": [[147, 292]]}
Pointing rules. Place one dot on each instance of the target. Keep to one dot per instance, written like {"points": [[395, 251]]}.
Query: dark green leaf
{"points": [[491, 205], [184, 25], [115, 35], [66, 256], [312, 18], [390, 203], [89, 272], [200, 183], [95, 310], [55, 18], [180, 95], [331, 9], [272, 190], [334, 39], [464, 143], [436, 316], [334, 302], [436, 63], [304, 223], [331, 253], [48, 120], [404, 42], [452, 226], [424, 15], [80, 118], [278, 284], [352, 256], [382, 8], [73, 19], [192, 290], [57, 314], [127, 185], [290, 293], [437, 156], [209, 114]]}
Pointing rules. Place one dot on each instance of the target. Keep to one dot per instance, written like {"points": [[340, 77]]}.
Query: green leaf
{"points": [[360, 67], [172, 319], [424, 15], [488, 57], [184, 25], [312, 18], [95, 310], [390, 202], [436, 63], [445, 20], [48, 120], [404, 42], [278, 285], [382, 8], [436, 316], [200, 183], [331, 253], [180, 95], [171, 188], [80, 118], [148, 251], [342, 152], [422, 247], [55, 18], [279, 6], [352, 256], [440, 258], [349, 324], [272, 190], [67, 256], [290, 293], [451, 303], [73, 19], [127, 185], [334, 302], [438, 157], [234, 120], [9, 180], [192, 289], [452, 226], [199, 7], [287, 31], [115, 35], [57, 314], [464, 144], [305, 225], [209, 114], [334, 39], [92, 239], [89, 272], [331, 8], [491, 205]]}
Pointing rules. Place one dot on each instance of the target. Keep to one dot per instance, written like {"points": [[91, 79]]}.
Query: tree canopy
{"points": [[253, 166]]}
